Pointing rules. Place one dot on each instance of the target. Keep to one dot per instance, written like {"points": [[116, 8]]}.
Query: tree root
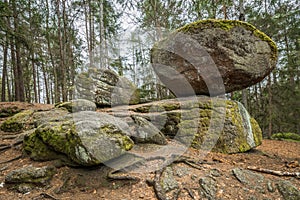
{"points": [[191, 193], [3, 148], [4, 168], [6, 137], [44, 196], [159, 192], [188, 161], [113, 176], [273, 172], [13, 159]]}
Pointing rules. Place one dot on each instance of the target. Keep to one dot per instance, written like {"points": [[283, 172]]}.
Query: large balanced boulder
{"points": [[83, 138], [201, 122], [213, 57], [106, 88]]}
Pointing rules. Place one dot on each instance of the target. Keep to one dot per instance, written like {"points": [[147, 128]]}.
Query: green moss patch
{"points": [[286, 136], [228, 25], [18, 122]]}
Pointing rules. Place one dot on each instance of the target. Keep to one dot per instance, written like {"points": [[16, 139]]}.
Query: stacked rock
{"points": [[106, 88], [213, 57]]}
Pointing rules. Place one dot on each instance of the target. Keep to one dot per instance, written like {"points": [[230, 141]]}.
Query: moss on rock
{"points": [[256, 130], [228, 25], [87, 139], [18, 122]]}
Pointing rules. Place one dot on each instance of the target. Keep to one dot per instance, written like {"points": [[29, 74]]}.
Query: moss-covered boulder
{"points": [[203, 123], [18, 122], [84, 138], [77, 105], [30, 119], [213, 56], [106, 88]]}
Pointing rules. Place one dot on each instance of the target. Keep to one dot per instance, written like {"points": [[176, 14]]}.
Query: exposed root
{"points": [[189, 161], [158, 190], [113, 176], [3, 148], [44, 196], [13, 159], [191, 193]]}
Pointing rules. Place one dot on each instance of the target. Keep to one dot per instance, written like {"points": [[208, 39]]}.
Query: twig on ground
{"points": [[274, 172]]}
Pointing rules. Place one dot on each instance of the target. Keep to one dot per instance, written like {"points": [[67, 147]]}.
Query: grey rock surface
{"points": [[213, 57], [86, 138], [106, 88]]}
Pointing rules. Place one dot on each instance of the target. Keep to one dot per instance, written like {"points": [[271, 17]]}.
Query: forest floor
{"points": [[92, 183]]}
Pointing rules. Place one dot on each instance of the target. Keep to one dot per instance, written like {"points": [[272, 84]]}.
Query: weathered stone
{"points": [[84, 138], [201, 122], [78, 105], [18, 122], [208, 187], [27, 178], [30, 119], [247, 177], [288, 190], [106, 88], [211, 57], [168, 182], [56, 114], [146, 132]]}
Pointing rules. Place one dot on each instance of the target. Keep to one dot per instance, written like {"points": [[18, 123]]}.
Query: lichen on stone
{"points": [[228, 25], [17, 122]]}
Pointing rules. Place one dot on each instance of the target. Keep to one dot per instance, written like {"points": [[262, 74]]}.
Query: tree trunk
{"points": [[4, 71], [19, 71], [46, 84], [270, 107], [14, 69]]}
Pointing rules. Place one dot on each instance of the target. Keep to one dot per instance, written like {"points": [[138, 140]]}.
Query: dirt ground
{"points": [[92, 183]]}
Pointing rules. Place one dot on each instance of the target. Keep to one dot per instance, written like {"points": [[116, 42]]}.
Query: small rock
{"points": [[215, 173], [270, 187], [182, 171], [25, 179], [194, 177], [247, 177], [168, 181], [288, 190], [208, 187], [24, 188]]}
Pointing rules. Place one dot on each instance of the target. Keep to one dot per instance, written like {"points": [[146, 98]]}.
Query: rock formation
{"points": [[83, 138], [213, 57], [106, 88], [201, 122]]}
